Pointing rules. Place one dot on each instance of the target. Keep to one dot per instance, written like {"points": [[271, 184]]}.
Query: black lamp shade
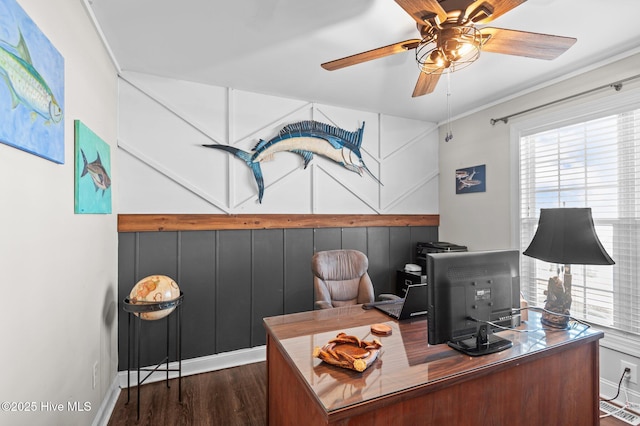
{"points": [[567, 236]]}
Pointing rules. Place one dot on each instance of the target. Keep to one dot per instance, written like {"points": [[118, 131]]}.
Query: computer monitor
{"points": [[466, 292]]}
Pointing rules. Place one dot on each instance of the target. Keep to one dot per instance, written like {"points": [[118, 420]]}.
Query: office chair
{"points": [[340, 278]]}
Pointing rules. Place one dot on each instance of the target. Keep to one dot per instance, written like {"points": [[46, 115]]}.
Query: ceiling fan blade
{"points": [[522, 43], [483, 11], [426, 84], [380, 52], [423, 10]]}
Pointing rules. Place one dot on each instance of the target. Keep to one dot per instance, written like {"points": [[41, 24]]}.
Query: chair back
{"points": [[340, 278]]}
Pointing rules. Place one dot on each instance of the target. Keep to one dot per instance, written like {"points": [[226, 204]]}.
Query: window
{"points": [[594, 163]]}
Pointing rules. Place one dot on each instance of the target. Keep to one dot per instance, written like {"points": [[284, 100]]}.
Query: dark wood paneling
{"points": [[127, 254], [298, 282], [197, 280], [157, 254], [268, 280], [354, 238], [378, 253], [327, 239], [233, 298], [400, 249], [234, 278]]}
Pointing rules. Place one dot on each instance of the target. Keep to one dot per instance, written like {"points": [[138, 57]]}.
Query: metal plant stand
{"points": [[144, 307]]}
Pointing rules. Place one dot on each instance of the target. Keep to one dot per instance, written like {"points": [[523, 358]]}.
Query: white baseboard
{"points": [[108, 403], [202, 365], [609, 389], [189, 367]]}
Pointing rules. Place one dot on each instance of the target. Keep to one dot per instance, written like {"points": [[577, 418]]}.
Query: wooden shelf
{"points": [[208, 222]]}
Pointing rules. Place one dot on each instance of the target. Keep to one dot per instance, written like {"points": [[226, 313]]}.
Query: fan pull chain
{"points": [[449, 134]]}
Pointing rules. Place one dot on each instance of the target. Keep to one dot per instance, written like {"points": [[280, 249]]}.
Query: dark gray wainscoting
{"points": [[232, 279]]}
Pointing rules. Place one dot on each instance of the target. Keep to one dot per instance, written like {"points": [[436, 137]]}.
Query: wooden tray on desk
{"points": [[349, 352]]}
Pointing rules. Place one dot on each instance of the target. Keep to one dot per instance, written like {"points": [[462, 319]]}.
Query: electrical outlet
{"points": [[95, 374], [633, 374]]}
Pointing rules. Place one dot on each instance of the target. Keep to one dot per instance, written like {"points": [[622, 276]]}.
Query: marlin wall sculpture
{"points": [[305, 138]]}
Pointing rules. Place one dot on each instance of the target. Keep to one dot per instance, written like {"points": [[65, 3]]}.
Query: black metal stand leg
{"points": [[179, 332], [133, 339], [167, 340], [137, 327], [128, 357]]}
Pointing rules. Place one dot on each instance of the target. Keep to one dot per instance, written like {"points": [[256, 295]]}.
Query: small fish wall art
{"points": [[471, 179], [92, 172], [305, 138], [31, 86]]}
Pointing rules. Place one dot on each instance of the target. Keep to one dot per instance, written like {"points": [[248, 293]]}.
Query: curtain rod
{"points": [[617, 86]]}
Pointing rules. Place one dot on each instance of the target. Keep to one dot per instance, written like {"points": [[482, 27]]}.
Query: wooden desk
{"points": [[546, 378]]}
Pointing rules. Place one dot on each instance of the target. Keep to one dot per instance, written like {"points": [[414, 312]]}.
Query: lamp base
{"points": [[555, 320], [558, 303]]}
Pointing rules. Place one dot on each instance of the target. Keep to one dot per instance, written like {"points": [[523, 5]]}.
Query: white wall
{"points": [[59, 270], [484, 220], [164, 169]]}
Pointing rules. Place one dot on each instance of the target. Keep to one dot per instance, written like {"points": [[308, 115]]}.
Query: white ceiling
{"points": [[275, 47]]}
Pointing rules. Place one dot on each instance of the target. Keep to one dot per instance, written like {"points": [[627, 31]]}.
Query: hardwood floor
{"points": [[230, 397]]}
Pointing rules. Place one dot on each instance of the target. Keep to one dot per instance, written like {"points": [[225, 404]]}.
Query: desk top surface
{"points": [[406, 360]]}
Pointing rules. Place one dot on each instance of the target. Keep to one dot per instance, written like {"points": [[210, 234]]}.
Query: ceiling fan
{"points": [[450, 39]]}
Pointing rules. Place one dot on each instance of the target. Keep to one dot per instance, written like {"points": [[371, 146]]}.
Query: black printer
{"points": [[422, 249]]}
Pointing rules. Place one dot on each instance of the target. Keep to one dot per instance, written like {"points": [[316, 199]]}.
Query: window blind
{"points": [[595, 164]]}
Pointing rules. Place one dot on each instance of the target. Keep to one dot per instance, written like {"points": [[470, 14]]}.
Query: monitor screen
{"points": [[470, 294]]}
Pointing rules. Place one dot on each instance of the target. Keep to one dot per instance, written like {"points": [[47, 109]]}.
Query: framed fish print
{"points": [[32, 87], [92, 171], [471, 179]]}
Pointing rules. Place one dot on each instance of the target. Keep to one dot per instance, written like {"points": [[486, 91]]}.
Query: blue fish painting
{"points": [[25, 83], [31, 86], [305, 138]]}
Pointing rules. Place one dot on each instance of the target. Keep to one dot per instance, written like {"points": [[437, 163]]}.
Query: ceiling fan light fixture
{"points": [[437, 58], [466, 48], [455, 49]]}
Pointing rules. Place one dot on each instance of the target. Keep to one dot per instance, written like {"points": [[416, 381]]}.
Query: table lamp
{"points": [[565, 236]]}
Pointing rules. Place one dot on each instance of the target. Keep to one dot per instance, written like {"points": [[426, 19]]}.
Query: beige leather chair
{"points": [[340, 278]]}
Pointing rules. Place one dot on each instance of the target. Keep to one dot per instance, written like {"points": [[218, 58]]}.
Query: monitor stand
{"points": [[483, 344]]}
